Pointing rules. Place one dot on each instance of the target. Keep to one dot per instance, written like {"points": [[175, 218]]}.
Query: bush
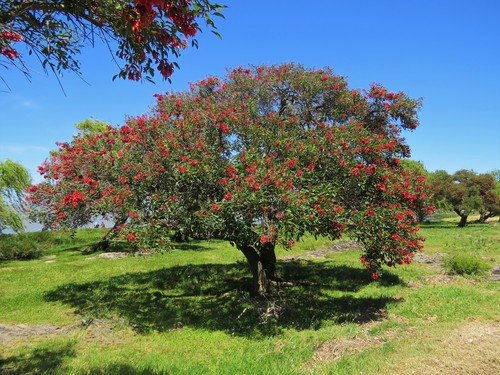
{"points": [[18, 247], [466, 265]]}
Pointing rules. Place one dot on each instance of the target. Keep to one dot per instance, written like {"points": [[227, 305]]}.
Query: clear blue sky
{"points": [[446, 52]]}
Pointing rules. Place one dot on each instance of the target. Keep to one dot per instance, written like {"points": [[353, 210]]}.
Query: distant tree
{"points": [[146, 34], [466, 192], [488, 189], [414, 167], [14, 179], [258, 159]]}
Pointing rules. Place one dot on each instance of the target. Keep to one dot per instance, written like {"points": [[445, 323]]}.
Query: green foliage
{"points": [[146, 35], [415, 167], [18, 246], [466, 265], [34, 244], [14, 179], [466, 192], [90, 126]]}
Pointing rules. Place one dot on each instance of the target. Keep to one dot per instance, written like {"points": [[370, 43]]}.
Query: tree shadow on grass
{"points": [[216, 297], [189, 246], [37, 361]]}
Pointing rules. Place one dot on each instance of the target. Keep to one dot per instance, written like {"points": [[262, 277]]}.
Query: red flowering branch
{"points": [[148, 34]]}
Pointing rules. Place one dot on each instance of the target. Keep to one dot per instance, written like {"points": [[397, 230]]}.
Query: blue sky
{"points": [[446, 52]]}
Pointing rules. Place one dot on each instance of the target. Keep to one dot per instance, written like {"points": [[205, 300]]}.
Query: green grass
{"points": [[189, 311], [466, 265]]}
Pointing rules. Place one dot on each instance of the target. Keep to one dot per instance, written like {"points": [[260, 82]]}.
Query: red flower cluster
{"points": [[6, 38], [74, 199]]}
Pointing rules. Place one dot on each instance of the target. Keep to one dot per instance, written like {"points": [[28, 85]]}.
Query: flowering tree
{"points": [[146, 34], [259, 158]]}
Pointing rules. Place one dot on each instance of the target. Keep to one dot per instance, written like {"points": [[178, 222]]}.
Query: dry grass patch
{"points": [[472, 349], [333, 350]]}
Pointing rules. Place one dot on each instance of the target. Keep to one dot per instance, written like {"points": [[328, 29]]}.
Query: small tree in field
{"points": [[259, 158], [146, 34], [14, 179]]}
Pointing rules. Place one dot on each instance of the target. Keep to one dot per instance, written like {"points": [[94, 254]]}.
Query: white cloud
{"points": [[19, 102], [28, 104]]}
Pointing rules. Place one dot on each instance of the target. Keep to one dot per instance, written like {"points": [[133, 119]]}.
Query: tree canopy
{"points": [[147, 35], [14, 179], [90, 126], [466, 192], [259, 158]]}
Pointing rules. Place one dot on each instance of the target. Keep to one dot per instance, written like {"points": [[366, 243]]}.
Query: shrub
{"points": [[18, 247], [466, 265]]}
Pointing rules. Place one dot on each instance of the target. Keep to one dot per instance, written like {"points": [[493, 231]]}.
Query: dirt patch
{"points": [[435, 260], [336, 247], [120, 255], [10, 333], [323, 252], [440, 279], [334, 350], [116, 255], [105, 331], [473, 349], [414, 284]]}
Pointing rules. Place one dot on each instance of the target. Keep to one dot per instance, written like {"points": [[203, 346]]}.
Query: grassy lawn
{"points": [[189, 312]]}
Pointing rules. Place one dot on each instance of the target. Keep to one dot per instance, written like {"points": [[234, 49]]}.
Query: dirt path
{"points": [[11, 333], [323, 252]]}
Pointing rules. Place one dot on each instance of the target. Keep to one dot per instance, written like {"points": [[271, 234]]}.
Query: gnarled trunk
{"points": [[262, 263], [463, 217], [483, 216]]}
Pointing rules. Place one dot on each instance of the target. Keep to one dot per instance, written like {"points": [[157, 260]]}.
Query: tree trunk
{"points": [[260, 280], [268, 256], [463, 217], [463, 221], [483, 216], [180, 237], [104, 243]]}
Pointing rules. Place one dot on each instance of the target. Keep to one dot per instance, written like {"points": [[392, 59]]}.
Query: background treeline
{"points": [[464, 193]]}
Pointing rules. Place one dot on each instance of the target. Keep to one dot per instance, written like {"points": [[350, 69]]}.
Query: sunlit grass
{"points": [[188, 311]]}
